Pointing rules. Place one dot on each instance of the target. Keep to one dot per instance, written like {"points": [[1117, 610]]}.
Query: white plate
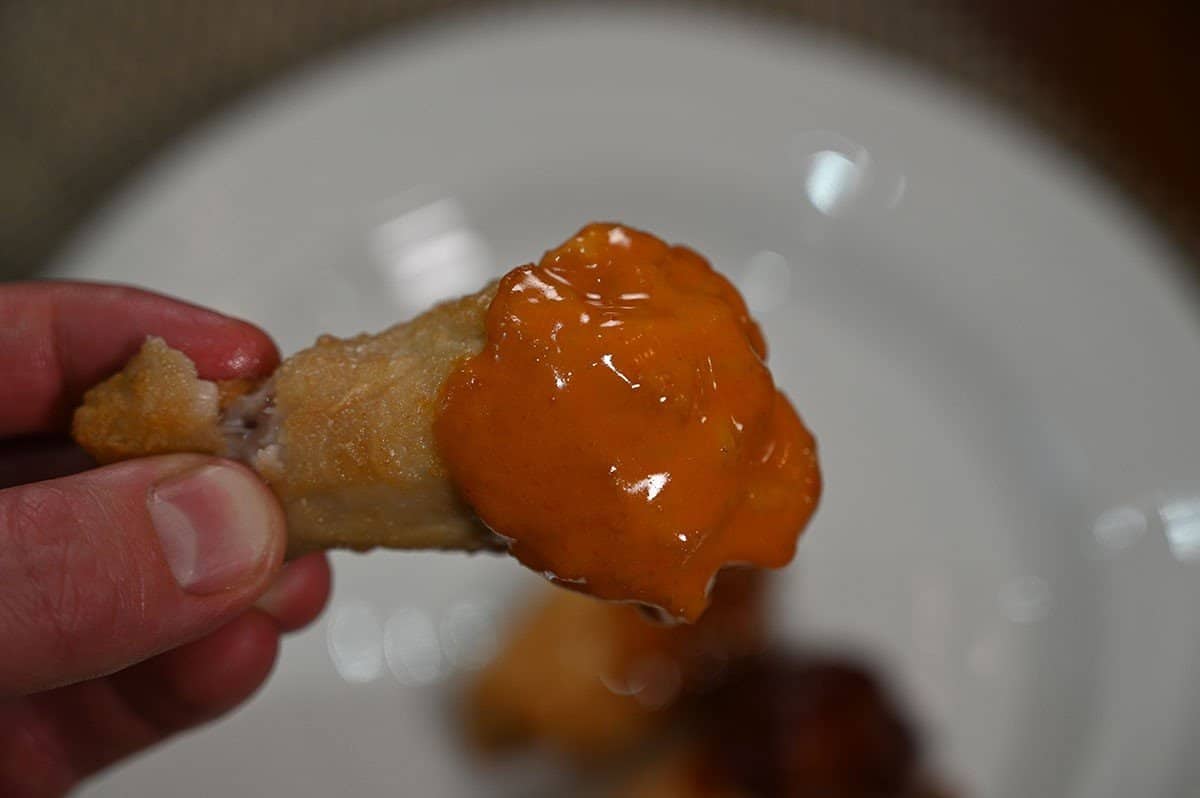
{"points": [[1002, 371]]}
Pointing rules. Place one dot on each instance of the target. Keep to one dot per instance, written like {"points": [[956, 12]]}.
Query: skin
{"points": [[106, 654]]}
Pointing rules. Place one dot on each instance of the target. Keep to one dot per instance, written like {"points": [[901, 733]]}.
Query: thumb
{"points": [[106, 568]]}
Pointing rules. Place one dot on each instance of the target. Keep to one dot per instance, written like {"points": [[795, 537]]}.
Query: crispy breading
{"points": [[358, 465], [156, 405], [592, 679], [343, 431]]}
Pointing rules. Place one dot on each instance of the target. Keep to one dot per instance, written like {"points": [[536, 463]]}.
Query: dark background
{"points": [[89, 89]]}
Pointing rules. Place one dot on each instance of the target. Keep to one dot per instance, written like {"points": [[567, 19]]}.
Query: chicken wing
{"points": [[343, 431], [606, 416], [592, 680], [791, 726]]}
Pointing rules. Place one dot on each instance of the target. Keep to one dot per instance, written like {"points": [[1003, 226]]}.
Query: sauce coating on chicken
{"points": [[620, 427]]}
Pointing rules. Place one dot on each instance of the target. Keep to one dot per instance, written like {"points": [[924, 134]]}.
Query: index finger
{"points": [[59, 338]]}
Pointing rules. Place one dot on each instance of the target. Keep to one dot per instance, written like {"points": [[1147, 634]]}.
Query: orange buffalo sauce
{"points": [[620, 428]]}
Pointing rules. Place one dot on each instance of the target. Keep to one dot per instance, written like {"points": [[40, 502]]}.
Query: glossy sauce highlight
{"points": [[620, 428]]}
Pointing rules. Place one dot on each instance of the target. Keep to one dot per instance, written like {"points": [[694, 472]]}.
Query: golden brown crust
{"points": [[548, 685], [358, 466], [592, 679], [347, 444], [156, 405]]}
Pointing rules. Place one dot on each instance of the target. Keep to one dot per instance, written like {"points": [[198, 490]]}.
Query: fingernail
{"points": [[215, 527]]}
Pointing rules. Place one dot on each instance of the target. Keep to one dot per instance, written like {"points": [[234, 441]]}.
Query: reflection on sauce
{"points": [[620, 428]]}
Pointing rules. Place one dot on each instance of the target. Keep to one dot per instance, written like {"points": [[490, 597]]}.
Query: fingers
{"points": [[50, 741], [108, 568], [206, 678], [60, 338], [299, 592], [42, 457]]}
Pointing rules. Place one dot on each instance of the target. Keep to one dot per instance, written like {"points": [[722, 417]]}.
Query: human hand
{"points": [[138, 599]]}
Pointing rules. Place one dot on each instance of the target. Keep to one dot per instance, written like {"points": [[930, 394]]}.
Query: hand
{"points": [[137, 599]]}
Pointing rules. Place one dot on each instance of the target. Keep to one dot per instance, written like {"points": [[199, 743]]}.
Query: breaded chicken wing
{"points": [[606, 416], [343, 431], [791, 726], [591, 680]]}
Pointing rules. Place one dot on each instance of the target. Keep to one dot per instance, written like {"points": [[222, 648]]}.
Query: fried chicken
{"points": [[606, 416], [590, 679], [343, 431], [785, 725]]}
